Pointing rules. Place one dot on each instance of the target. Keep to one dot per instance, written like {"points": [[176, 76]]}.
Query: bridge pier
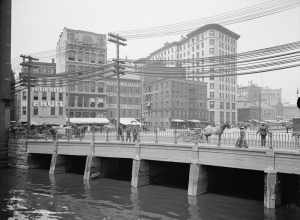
{"points": [[93, 168], [272, 194], [58, 164], [140, 173], [197, 179]]}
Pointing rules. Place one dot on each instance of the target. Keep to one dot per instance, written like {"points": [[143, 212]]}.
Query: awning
{"points": [[194, 121], [89, 120], [129, 121], [177, 120]]}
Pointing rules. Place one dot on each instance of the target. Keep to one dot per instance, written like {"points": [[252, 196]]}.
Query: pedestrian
{"points": [[135, 134], [241, 141], [263, 131], [128, 133], [120, 131]]}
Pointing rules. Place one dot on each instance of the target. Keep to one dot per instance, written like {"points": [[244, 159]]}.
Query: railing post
{"points": [[271, 141], [175, 136], [106, 134], [155, 132]]}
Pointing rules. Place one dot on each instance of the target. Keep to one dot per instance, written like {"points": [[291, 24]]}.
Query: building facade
{"points": [[167, 100], [211, 40], [47, 101], [130, 97], [81, 51], [263, 100]]}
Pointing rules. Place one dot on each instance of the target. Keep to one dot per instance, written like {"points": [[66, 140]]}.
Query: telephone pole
{"points": [[117, 40], [27, 61], [260, 104]]}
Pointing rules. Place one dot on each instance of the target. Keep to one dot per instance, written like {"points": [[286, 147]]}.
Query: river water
{"points": [[32, 194]]}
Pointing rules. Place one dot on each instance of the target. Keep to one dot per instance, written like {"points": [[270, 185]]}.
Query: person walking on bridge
{"points": [[263, 131], [128, 133], [241, 141]]}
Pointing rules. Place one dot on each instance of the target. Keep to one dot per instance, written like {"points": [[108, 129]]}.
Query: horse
{"points": [[210, 130]]}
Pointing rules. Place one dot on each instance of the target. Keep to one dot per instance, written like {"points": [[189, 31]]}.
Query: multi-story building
{"points": [[254, 112], [82, 51], [130, 97], [266, 101], [47, 102], [168, 100], [208, 41]]}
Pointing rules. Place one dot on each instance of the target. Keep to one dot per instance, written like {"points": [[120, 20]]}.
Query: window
{"points": [[86, 57], [228, 116], [211, 33], [212, 95], [24, 95], [52, 111], [71, 68], [211, 86], [211, 116], [212, 42], [24, 110], [227, 105], [44, 96], [93, 86], [233, 117], [221, 105], [71, 55], [35, 110], [221, 117], [100, 105], [80, 56], [35, 96], [52, 96], [60, 110], [60, 96], [211, 51], [93, 58], [211, 104], [233, 105], [71, 36]]}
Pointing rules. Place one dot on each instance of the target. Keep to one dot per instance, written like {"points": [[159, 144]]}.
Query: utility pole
{"points": [[259, 104], [116, 39], [27, 61]]}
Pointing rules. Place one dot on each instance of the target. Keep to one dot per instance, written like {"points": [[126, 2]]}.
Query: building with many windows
{"points": [[47, 101], [264, 103], [210, 40], [169, 100], [130, 97], [82, 51]]}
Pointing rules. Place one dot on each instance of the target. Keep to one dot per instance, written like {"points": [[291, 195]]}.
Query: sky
{"points": [[36, 25]]}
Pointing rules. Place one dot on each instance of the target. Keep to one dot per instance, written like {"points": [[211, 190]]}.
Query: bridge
{"points": [[198, 157]]}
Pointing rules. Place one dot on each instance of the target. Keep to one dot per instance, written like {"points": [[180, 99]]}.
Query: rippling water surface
{"points": [[33, 194]]}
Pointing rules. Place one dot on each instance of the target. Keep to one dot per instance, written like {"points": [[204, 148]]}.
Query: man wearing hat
{"points": [[263, 131]]}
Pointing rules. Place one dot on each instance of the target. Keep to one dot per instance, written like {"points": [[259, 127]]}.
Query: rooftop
{"points": [[197, 31]]}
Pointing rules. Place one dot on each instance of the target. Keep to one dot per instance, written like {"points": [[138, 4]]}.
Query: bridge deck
{"points": [[284, 161]]}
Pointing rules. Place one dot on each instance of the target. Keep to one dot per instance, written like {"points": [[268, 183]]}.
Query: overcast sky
{"points": [[36, 25]]}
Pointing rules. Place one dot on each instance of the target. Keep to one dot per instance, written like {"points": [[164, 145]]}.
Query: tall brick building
{"points": [[168, 100]]}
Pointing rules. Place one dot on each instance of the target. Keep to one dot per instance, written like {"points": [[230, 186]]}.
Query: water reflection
{"points": [[34, 194]]}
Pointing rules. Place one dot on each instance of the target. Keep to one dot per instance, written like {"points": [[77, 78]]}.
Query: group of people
{"points": [[263, 131], [130, 131]]}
